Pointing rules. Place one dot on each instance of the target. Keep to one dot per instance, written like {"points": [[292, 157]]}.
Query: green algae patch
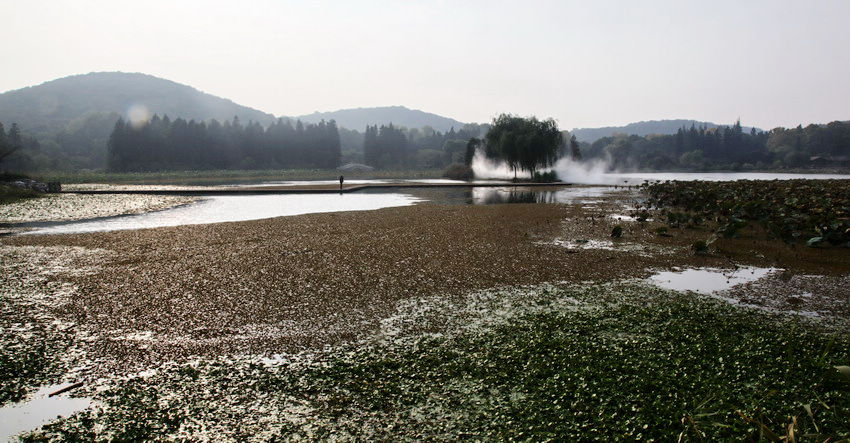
{"points": [[618, 361]]}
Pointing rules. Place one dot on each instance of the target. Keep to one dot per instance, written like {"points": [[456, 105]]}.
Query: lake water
{"points": [[636, 178], [216, 209], [357, 182], [228, 208]]}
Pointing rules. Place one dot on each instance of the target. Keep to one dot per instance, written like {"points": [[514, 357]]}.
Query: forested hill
{"points": [[72, 117], [56, 103], [643, 128], [359, 118]]}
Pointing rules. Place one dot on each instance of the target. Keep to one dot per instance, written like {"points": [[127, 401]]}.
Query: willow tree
{"points": [[525, 144]]}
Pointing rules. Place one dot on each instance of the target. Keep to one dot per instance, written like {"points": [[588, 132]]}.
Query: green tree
{"points": [[471, 146], [575, 152], [11, 142], [523, 143], [693, 160]]}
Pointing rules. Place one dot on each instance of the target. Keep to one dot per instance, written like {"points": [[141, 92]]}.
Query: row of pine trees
{"points": [[163, 144]]}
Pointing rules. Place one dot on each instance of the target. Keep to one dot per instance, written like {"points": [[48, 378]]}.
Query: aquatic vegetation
{"points": [[617, 231], [793, 210], [609, 361], [34, 342]]}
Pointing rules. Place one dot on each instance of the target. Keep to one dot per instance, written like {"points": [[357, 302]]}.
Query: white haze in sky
{"points": [[584, 63]]}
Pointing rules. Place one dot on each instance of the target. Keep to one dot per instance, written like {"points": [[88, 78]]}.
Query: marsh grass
{"points": [[619, 361]]}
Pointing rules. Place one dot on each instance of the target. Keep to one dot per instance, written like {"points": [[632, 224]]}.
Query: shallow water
{"points": [[511, 194], [352, 182], [40, 409], [216, 209], [708, 281]]}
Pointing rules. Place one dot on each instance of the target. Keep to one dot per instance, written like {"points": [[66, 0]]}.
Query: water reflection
{"points": [[489, 196], [510, 194]]}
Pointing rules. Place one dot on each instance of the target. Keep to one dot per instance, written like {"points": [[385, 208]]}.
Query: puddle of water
{"points": [[625, 218], [607, 245], [231, 208], [708, 280], [39, 410], [587, 244]]}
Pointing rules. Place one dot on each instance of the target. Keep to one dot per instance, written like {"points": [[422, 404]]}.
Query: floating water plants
{"points": [[816, 211]]}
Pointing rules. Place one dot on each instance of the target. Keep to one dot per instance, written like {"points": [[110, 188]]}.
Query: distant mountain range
{"points": [[644, 128], [55, 104], [358, 118]]}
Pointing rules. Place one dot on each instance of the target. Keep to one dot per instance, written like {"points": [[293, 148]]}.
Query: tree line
{"points": [[14, 148], [395, 147], [163, 144], [10, 142], [726, 148]]}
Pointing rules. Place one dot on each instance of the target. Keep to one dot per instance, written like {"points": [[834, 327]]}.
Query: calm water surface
{"points": [[634, 178], [229, 208]]}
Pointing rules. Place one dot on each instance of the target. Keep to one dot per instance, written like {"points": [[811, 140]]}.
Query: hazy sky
{"points": [[584, 63]]}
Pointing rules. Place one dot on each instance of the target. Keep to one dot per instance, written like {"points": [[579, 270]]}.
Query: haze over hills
{"points": [[359, 118], [642, 128], [57, 102]]}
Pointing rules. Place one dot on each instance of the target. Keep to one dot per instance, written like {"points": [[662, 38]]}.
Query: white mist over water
{"points": [[596, 172], [485, 168], [591, 173]]}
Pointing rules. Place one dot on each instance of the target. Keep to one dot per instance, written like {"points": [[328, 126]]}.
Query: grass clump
{"points": [[604, 362], [12, 194], [26, 362]]}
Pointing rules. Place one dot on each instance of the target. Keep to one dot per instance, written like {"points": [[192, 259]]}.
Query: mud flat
{"points": [[387, 323]]}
